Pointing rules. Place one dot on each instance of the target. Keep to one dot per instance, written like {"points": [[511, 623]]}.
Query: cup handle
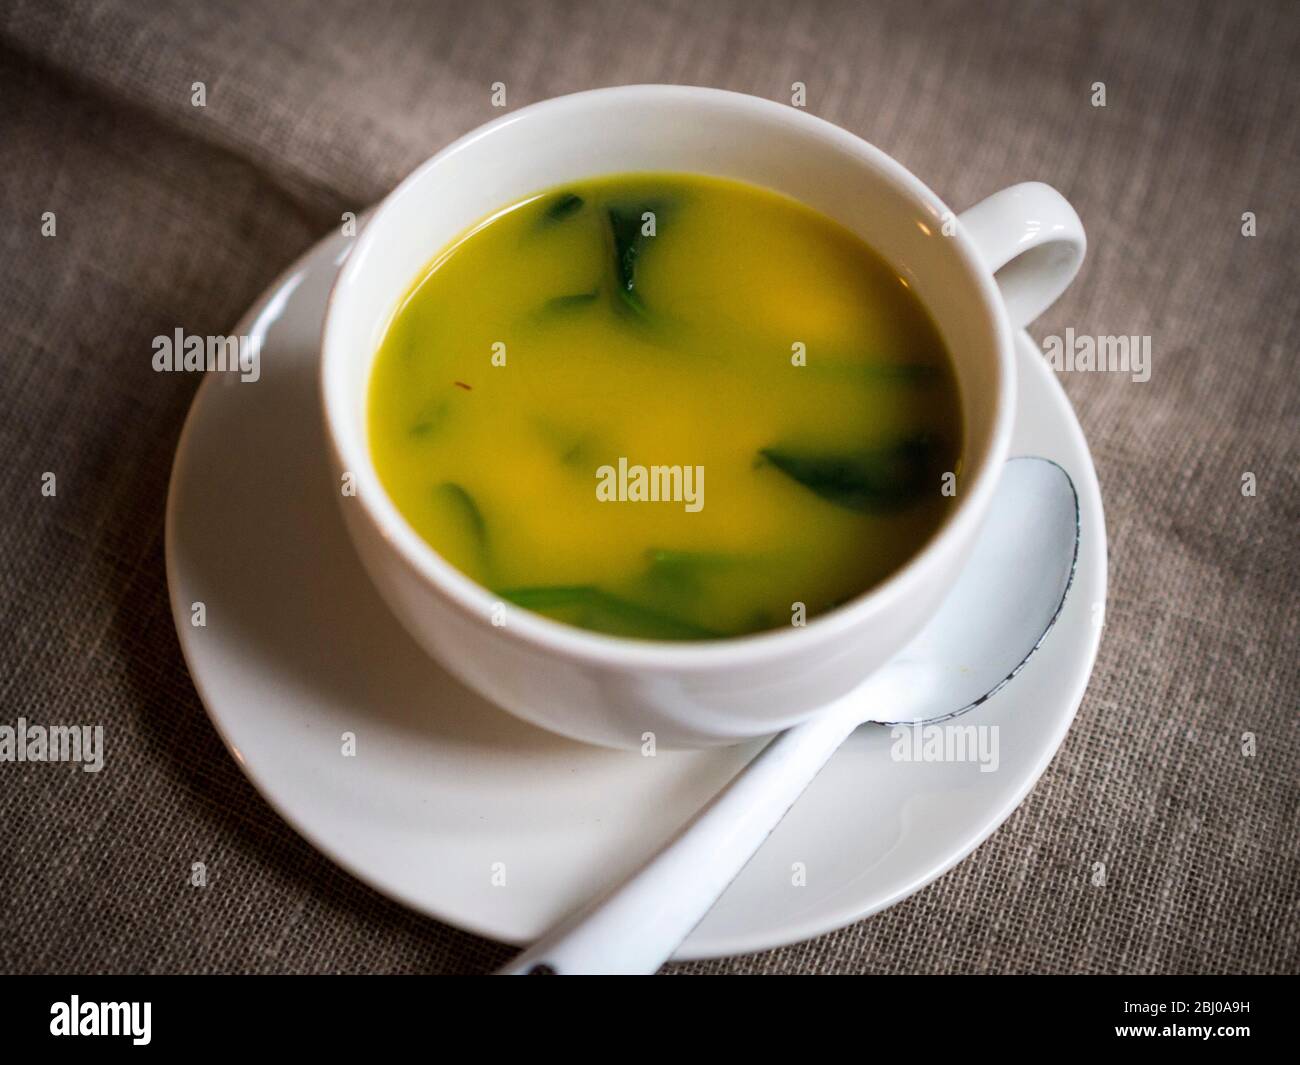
{"points": [[1032, 241]]}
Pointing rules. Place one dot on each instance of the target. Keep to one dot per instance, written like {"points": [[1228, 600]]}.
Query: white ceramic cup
{"points": [[614, 691]]}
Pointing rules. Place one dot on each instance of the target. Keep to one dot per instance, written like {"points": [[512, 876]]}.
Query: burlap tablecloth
{"points": [[173, 215]]}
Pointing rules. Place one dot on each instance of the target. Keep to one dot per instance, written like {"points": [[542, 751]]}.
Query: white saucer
{"points": [[445, 790]]}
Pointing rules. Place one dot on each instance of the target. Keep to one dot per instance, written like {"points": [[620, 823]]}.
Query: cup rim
{"points": [[595, 648]]}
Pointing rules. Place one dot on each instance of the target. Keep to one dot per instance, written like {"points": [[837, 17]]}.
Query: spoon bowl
{"points": [[999, 611]]}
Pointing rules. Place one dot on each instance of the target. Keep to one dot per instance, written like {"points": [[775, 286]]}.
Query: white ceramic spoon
{"points": [[995, 617]]}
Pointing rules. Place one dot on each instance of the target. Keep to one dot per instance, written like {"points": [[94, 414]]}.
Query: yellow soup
{"points": [[666, 406]]}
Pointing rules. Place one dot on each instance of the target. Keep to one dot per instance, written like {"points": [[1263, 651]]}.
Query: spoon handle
{"points": [[637, 926]]}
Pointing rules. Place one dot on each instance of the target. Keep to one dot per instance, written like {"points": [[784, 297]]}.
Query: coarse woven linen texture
{"points": [[170, 215]]}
